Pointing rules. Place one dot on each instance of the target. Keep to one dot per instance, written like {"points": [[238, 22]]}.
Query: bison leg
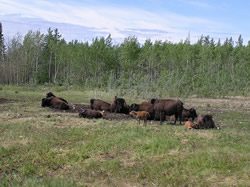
{"points": [[162, 117], [176, 117]]}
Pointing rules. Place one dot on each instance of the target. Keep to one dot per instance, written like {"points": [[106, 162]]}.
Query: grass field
{"points": [[65, 150]]}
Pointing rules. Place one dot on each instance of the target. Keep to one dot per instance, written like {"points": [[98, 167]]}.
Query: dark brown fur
{"points": [[167, 107], [50, 94], [189, 114], [119, 106], [205, 122], [89, 113], [97, 104], [55, 102], [144, 106]]}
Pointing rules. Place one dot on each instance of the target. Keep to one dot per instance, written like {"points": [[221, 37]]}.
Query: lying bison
{"points": [[55, 102], [97, 104], [50, 94], [189, 124], [205, 122], [119, 106], [167, 107], [89, 113], [144, 106]]}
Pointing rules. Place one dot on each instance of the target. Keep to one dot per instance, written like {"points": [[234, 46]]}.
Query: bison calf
{"points": [[189, 124], [140, 115]]}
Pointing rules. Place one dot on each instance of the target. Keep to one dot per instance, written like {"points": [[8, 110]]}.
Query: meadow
{"points": [[43, 147]]}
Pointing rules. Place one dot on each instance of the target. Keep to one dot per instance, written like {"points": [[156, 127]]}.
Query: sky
{"points": [[166, 20]]}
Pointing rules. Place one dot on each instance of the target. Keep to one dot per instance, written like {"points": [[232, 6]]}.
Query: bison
{"points": [[50, 94], [119, 106], [189, 124], [144, 106], [205, 122], [55, 102], [189, 113], [89, 113], [97, 104], [167, 107], [140, 115]]}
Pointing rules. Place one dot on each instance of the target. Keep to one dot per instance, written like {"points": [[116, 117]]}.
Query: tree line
{"points": [[207, 67]]}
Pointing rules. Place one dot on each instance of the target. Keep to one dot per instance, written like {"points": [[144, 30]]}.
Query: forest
{"points": [[204, 68]]}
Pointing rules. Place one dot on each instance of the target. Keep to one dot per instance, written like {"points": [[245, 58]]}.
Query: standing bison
{"points": [[167, 107], [55, 102]]}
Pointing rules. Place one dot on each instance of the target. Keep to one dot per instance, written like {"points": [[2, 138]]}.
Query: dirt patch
{"points": [[116, 116], [211, 106], [4, 100], [76, 108]]}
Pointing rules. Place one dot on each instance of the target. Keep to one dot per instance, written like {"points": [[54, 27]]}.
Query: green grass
{"points": [[65, 150]]}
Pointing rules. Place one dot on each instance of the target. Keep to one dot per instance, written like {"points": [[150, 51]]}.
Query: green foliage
{"points": [[205, 68]]}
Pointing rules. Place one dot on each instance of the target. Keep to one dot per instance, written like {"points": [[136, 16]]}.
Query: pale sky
{"points": [[171, 20]]}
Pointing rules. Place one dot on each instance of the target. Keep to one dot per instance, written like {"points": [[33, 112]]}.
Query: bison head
{"points": [[50, 94]]}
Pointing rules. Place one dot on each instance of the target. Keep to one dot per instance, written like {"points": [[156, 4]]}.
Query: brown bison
{"points": [[55, 102], [189, 114], [89, 113], [205, 122], [144, 106], [167, 107], [97, 104], [119, 106], [50, 94], [140, 115]]}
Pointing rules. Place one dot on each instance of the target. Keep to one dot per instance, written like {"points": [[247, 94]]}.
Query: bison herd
{"points": [[154, 109]]}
